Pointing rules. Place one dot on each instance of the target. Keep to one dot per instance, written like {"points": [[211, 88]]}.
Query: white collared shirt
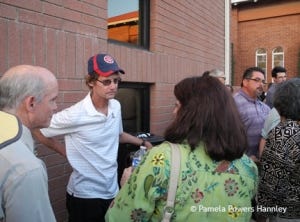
{"points": [[92, 141]]}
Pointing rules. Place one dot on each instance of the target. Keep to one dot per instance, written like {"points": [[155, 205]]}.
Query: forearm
{"points": [[127, 138], [51, 143]]}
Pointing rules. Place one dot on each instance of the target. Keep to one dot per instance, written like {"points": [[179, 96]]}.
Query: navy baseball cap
{"points": [[103, 65]]}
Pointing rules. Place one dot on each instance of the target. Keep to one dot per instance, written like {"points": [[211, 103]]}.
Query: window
{"points": [[277, 57], [261, 59], [128, 21]]}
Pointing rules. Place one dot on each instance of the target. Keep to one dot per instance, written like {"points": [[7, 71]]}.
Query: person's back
{"points": [[279, 183], [208, 190], [27, 102], [216, 181]]}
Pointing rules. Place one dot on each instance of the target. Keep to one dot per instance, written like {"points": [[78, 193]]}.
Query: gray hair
{"points": [[16, 85], [216, 73]]}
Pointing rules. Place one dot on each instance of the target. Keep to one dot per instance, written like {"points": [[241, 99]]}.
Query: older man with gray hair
{"points": [[27, 101]]}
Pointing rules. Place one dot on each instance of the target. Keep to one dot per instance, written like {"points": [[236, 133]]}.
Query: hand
{"points": [[125, 176], [148, 145]]}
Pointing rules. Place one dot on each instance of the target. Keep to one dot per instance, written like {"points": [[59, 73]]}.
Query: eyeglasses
{"points": [[281, 77], [258, 80], [107, 82]]}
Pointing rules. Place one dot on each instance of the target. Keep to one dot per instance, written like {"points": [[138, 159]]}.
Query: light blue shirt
{"points": [[272, 120], [23, 183]]}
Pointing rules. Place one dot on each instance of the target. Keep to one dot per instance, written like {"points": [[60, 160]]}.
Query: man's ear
{"points": [[30, 103], [244, 82], [91, 84]]}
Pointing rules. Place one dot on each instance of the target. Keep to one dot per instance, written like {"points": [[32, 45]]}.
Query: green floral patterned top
{"points": [[207, 190]]}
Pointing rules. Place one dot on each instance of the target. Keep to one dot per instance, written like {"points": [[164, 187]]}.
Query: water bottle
{"points": [[137, 156]]}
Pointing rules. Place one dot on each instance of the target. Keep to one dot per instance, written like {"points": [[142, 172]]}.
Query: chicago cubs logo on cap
{"points": [[108, 59]]}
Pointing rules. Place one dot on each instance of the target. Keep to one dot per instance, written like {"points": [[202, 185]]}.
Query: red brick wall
{"points": [[266, 26], [186, 39]]}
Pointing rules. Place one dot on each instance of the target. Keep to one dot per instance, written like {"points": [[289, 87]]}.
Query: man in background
{"points": [[278, 76], [220, 75], [252, 111]]}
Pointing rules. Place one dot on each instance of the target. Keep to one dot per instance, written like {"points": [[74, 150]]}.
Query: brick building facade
{"points": [[265, 24], [185, 39]]}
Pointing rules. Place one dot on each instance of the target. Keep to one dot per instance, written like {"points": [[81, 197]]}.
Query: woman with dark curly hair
{"points": [[279, 187], [216, 179]]}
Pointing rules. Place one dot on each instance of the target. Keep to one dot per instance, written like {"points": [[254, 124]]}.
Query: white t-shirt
{"points": [[92, 141]]}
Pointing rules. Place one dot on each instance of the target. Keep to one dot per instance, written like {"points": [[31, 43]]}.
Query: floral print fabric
{"points": [[207, 190]]}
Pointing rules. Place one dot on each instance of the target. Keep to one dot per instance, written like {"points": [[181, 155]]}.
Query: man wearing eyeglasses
{"points": [[92, 129], [278, 76], [252, 111]]}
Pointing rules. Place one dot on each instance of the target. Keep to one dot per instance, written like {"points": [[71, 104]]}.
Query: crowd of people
{"points": [[238, 164]]}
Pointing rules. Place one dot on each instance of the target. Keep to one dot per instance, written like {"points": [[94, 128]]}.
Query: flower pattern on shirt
{"points": [[158, 160], [137, 215], [197, 195], [231, 187], [201, 182], [234, 211]]}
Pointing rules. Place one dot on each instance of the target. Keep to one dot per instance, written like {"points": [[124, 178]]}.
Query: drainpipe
{"points": [[227, 41]]}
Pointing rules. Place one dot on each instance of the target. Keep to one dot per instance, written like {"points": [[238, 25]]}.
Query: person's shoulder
{"points": [[241, 101], [74, 111], [164, 147], [164, 150], [114, 105], [247, 166], [115, 102], [10, 128], [273, 114], [237, 93], [239, 96], [19, 161], [272, 88], [266, 108]]}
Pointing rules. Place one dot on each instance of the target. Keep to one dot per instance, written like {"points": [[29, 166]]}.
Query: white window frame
{"points": [[261, 54], [275, 53]]}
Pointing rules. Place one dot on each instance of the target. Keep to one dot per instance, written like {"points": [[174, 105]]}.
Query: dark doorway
{"points": [[135, 106]]}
